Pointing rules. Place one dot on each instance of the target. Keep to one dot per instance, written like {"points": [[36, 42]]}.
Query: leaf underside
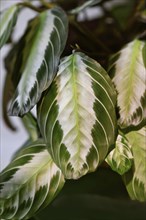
{"points": [[42, 45], [129, 76], [29, 183], [77, 116]]}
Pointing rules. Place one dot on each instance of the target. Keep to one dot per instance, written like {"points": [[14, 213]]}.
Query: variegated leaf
{"points": [[29, 183], [12, 63], [129, 77], [77, 116], [44, 42], [135, 180], [8, 19], [120, 158]]}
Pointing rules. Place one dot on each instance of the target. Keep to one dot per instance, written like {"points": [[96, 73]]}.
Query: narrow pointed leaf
{"points": [[120, 158], [8, 19], [77, 116], [129, 77], [135, 180], [29, 183], [88, 3], [44, 42]]}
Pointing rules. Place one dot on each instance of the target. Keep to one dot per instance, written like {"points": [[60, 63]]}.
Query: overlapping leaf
{"points": [[29, 183], [30, 124], [135, 180], [44, 42], [12, 63], [8, 19], [120, 158], [129, 77], [77, 116]]}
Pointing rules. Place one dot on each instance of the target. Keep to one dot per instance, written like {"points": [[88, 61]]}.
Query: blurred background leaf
{"points": [[100, 195]]}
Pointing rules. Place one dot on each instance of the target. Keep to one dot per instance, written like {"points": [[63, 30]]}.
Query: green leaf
{"points": [[135, 180], [12, 64], [44, 42], [29, 183], [30, 124], [122, 12], [88, 3], [129, 74], [8, 19], [120, 158], [77, 116], [97, 196]]}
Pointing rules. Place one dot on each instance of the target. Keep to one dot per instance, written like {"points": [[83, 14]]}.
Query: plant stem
{"points": [[47, 4], [28, 5], [89, 35]]}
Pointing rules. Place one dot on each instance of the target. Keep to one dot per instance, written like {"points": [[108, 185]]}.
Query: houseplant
{"points": [[87, 80]]}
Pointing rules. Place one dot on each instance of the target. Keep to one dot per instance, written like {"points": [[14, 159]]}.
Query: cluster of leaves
{"points": [[87, 117]]}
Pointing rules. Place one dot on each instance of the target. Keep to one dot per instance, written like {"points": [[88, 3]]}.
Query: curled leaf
{"points": [[120, 158]]}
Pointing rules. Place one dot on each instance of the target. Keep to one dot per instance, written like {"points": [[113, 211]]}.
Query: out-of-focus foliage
{"points": [[77, 110]]}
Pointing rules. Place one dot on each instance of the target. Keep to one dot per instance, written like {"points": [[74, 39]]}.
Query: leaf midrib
{"points": [[30, 178], [75, 99], [131, 73]]}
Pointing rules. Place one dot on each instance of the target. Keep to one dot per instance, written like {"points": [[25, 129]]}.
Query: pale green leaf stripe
{"points": [[78, 119], [120, 159], [29, 183], [7, 21], [129, 77], [84, 5], [135, 180], [44, 42]]}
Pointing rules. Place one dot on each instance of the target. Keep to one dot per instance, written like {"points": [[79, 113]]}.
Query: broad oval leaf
{"points": [[120, 158], [135, 180], [29, 183], [8, 19], [129, 77], [44, 42], [77, 116]]}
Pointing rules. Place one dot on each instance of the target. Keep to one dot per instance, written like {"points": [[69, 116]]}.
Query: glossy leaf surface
{"points": [[129, 77], [120, 158], [29, 183], [44, 42], [77, 116], [7, 21]]}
